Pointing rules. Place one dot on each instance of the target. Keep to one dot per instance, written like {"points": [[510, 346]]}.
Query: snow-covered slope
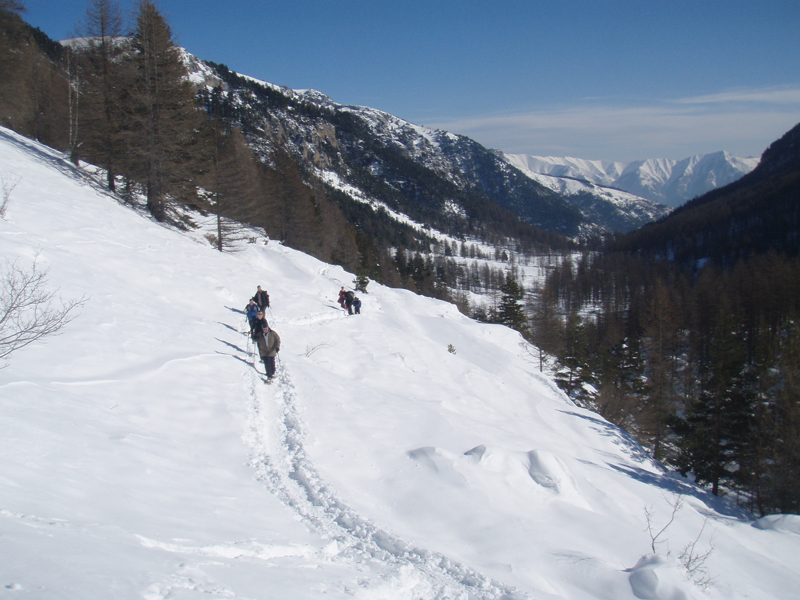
{"points": [[670, 182], [143, 456]]}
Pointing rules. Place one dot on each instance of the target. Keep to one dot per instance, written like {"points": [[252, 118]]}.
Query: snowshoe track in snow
{"points": [[282, 465]]}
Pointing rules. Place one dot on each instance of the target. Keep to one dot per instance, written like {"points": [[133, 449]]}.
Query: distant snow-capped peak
{"points": [[667, 181]]}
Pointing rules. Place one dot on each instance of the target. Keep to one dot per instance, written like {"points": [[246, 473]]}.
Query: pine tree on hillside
{"points": [[715, 429], [775, 451], [785, 430], [662, 348], [574, 368], [233, 182], [161, 117], [511, 312], [616, 366], [546, 326], [102, 83]]}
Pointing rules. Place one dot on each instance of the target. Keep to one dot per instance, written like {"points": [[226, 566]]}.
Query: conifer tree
{"points": [[715, 428], [661, 327], [572, 359], [233, 181], [100, 131], [161, 117], [777, 486], [546, 327], [511, 312]]}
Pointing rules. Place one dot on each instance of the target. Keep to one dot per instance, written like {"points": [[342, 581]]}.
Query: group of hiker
{"points": [[349, 301], [266, 338]]}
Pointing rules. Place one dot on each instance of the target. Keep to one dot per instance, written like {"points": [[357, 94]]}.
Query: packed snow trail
{"points": [[282, 465]]}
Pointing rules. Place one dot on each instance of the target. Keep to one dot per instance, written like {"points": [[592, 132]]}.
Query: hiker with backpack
{"points": [[342, 295], [348, 301], [251, 310], [269, 344], [357, 305], [261, 298]]}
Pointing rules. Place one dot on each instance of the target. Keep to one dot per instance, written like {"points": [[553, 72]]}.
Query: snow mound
{"points": [[657, 577], [779, 523], [532, 476]]}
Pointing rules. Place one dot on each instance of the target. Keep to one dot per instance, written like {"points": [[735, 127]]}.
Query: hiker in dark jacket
{"points": [[357, 305], [348, 302], [262, 298], [258, 325], [269, 344]]}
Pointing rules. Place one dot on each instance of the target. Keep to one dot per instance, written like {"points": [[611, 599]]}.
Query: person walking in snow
{"points": [[251, 310], [357, 305], [269, 344], [258, 325], [341, 299], [262, 298], [348, 301]]}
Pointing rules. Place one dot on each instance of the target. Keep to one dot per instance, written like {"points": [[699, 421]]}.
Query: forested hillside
{"points": [[686, 332], [758, 213], [34, 98]]}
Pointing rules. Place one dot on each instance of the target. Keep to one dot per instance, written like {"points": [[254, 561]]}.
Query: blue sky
{"points": [[614, 80]]}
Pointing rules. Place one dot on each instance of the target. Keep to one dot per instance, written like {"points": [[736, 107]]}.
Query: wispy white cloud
{"points": [[742, 122], [778, 95]]}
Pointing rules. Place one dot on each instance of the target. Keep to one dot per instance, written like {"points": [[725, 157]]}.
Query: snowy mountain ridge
{"points": [[666, 181], [622, 210], [370, 149], [407, 453], [603, 208]]}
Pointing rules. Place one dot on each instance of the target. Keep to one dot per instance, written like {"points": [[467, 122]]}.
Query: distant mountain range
{"points": [[756, 214], [666, 181], [434, 177], [438, 178]]}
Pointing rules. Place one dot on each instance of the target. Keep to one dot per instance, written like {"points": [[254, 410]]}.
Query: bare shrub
{"points": [[28, 310], [8, 183], [692, 558]]}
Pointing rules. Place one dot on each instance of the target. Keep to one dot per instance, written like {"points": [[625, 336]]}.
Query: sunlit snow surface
{"points": [[143, 456]]}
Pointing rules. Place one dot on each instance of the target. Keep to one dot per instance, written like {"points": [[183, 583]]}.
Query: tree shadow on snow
{"points": [[236, 310], [32, 149], [668, 481], [623, 438], [675, 484], [61, 164]]}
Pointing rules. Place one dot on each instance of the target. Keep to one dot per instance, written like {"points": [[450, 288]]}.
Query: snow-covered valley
{"points": [[404, 453]]}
